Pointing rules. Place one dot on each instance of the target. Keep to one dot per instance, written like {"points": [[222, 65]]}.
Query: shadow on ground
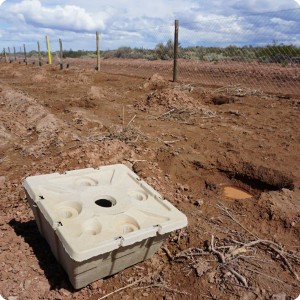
{"points": [[53, 271]]}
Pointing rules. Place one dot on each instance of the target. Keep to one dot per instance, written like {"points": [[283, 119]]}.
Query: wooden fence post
{"points": [[98, 51], [175, 50], [4, 54], [9, 60], [25, 54], [15, 53], [39, 54], [61, 54]]}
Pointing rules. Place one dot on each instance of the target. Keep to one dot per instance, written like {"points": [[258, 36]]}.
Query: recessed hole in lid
{"points": [[106, 201], [128, 228], [86, 181], [139, 195], [126, 224], [68, 209], [91, 227]]}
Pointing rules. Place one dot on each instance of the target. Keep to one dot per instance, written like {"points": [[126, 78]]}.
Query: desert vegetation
{"points": [[271, 53]]}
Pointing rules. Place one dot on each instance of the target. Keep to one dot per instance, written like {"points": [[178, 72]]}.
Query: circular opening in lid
{"points": [[104, 203]]}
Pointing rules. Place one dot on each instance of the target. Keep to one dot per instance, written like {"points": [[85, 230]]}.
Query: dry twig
{"points": [[219, 254], [225, 209], [121, 289], [239, 277], [167, 251], [163, 286], [268, 276], [131, 120]]}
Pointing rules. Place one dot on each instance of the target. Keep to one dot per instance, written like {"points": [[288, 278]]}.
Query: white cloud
{"points": [[67, 17], [145, 23]]}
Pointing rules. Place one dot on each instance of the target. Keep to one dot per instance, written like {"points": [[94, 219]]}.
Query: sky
{"points": [[141, 23]]}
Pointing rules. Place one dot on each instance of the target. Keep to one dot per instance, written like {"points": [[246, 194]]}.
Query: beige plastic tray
{"points": [[100, 221]]}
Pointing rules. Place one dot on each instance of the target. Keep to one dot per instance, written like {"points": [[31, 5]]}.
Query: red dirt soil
{"points": [[186, 140]]}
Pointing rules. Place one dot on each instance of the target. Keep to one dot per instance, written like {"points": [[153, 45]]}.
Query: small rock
{"points": [[211, 277], [198, 202], [94, 285], [27, 284], [44, 287], [280, 296], [145, 294], [2, 180], [12, 298], [65, 292]]}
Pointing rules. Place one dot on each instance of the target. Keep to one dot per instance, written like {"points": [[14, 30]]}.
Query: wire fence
{"points": [[257, 51]]}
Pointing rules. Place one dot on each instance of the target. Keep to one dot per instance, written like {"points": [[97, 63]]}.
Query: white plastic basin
{"points": [[100, 221]]}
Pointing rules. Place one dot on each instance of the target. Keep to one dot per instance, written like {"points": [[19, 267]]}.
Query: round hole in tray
{"points": [[106, 201], [86, 181], [139, 195], [69, 209], [126, 224], [91, 227], [127, 228]]}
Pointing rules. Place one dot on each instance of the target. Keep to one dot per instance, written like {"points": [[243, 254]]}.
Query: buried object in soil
{"points": [[100, 221]]}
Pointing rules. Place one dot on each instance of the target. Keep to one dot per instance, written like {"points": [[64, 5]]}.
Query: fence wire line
{"points": [[229, 51]]}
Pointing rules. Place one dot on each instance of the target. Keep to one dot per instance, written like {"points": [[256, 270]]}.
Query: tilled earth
{"points": [[187, 141]]}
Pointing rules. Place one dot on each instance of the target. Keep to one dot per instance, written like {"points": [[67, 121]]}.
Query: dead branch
{"points": [[287, 263], [268, 276], [123, 118], [167, 251], [131, 121], [238, 276], [166, 113], [190, 252], [273, 246], [171, 142], [219, 254]]}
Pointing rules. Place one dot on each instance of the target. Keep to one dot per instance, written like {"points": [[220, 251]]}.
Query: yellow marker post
{"points": [[49, 51]]}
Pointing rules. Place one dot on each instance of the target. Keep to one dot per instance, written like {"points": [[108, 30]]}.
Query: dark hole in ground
{"points": [[258, 184]]}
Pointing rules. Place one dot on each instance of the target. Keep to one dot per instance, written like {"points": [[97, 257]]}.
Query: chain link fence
{"points": [[259, 51]]}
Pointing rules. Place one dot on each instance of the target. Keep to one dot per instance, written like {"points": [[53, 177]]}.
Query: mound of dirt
{"points": [[48, 123], [95, 92], [5, 136], [34, 127], [39, 78], [171, 98], [281, 205], [155, 82]]}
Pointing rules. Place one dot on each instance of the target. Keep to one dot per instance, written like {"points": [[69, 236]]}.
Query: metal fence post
{"points": [[15, 53], [175, 50], [39, 53], [25, 55], [61, 54]]}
